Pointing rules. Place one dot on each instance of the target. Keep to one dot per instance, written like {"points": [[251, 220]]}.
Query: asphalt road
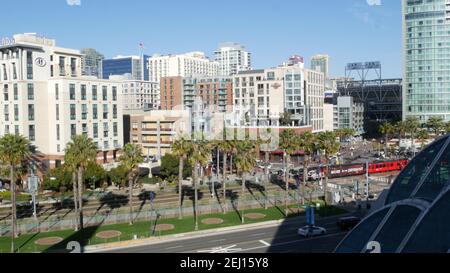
{"points": [[275, 239]]}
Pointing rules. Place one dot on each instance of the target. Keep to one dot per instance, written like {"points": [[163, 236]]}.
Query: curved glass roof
{"points": [[416, 215], [410, 177], [432, 235]]}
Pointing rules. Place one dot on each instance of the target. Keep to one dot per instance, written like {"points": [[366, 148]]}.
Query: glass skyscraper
{"points": [[127, 65], [426, 34]]}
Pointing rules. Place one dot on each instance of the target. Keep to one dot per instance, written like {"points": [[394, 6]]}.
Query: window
{"points": [[6, 112], [73, 112], [73, 67], [95, 130], [114, 93], [115, 131], [105, 92], [73, 130], [16, 112], [72, 91], [31, 133], [114, 111], [57, 112], [56, 91], [57, 132], [16, 129], [62, 66], [94, 111], [16, 92], [84, 129], [29, 65], [83, 92], [105, 111], [94, 92], [5, 92], [30, 112], [84, 111], [30, 91], [105, 129]]}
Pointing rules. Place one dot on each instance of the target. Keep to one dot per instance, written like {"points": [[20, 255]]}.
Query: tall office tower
{"points": [[320, 63], [192, 64], [91, 62], [45, 98], [426, 36], [232, 58], [136, 66]]}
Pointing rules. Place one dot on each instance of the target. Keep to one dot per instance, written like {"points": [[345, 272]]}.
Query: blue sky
{"points": [[347, 30]]}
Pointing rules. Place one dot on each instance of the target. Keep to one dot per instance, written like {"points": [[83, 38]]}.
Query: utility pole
{"points": [[367, 184]]}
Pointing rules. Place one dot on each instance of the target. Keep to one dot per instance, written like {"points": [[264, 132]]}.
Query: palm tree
{"points": [[14, 149], [245, 163], [130, 159], [181, 149], [307, 144], [71, 166], [199, 153], [386, 129], [328, 144], [412, 126], [436, 124], [81, 151], [226, 147], [400, 128], [289, 144], [422, 136]]}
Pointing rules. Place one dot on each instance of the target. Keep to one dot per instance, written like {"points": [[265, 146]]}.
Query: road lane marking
{"points": [[259, 234], [174, 247], [292, 242], [264, 242]]}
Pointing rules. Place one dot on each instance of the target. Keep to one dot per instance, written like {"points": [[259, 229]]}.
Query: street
{"points": [[274, 239]]}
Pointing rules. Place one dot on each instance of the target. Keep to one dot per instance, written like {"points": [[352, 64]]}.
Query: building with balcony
{"points": [[232, 58]]}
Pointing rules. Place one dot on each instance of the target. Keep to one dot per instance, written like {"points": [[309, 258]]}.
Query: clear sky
{"points": [[347, 30]]}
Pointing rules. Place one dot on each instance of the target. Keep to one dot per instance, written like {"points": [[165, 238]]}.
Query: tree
{"points": [[14, 149], [289, 144], [130, 159], [307, 144], [181, 149], [226, 146], [412, 126], [422, 136], [80, 152], [436, 124], [286, 119], [199, 153], [447, 127], [329, 146], [95, 174], [245, 163], [386, 129], [71, 166], [118, 176]]}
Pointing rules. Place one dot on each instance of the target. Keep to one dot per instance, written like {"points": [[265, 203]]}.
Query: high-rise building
{"points": [[192, 64], [138, 96], [426, 28], [321, 63], [135, 66], [348, 114], [232, 58], [45, 98], [91, 62], [216, 93]]}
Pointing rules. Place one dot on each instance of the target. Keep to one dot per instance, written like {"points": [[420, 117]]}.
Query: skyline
{"points": [[269, 30]]}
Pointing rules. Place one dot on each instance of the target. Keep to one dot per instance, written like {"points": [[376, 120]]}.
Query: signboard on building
{"points": [[7, 41]]}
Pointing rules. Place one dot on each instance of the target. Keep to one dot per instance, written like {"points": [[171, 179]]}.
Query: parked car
{"points": [[348, 223], [310, 231]]}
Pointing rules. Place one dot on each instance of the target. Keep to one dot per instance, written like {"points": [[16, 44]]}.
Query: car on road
{"points": [[348, 223], [310, 231]]}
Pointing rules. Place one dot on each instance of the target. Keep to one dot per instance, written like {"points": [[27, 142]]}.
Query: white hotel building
{"points": [[45, 98], [264, 95], [190, 64]]}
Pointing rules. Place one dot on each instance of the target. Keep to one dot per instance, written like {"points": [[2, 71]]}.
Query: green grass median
{"points": [[27, 243]]}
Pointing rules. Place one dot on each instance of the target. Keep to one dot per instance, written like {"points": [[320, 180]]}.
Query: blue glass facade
{"points": [[126, 65]]}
